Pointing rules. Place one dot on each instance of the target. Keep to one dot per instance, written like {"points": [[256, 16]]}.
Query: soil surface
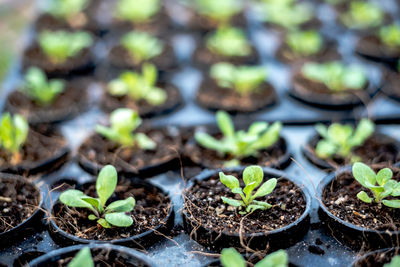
{"points": [[204, 206], [199, 22], [151, 210], [18, 201], [372, 46], [377, 259], [214, 97], [328, 52], [340, 198]]}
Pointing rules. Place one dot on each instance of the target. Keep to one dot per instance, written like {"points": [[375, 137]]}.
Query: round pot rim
{"points": [[128, 251], [372, 253], [206, 174]]}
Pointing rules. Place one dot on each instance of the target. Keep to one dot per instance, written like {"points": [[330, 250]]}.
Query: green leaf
{"points": [[92, 217], [325, 149], [364, 130], [72, 198], [145, 142], [125, 205], [383, 176], [276, 259], [82, 259], [225, 124], [364, 174], [396, 190], [229, 181], [106, 183], [231, 258], [119, 219], [95, 202], [364, 197], [231, 202], [252, 177], [257, 128], [209, 142], [266, 188], [395, 203], [395, 262], [103, 223], [322, 130]]}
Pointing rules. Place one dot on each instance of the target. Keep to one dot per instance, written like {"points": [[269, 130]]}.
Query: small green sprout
{"points": [[341, 139], [229, 42], [243, 79], [240, 144], [395, 262], [252, 177], [363, 15], [13, 133], [305, 43], [289, 16], [141, 46], [335, 75], [82, 259], [61, 45], [221, 11], [113, 214], [390, 35], [42, 91], [139, 87], [231, 258], [387, 187], [124, 122], [137, 11], [66, 9]]}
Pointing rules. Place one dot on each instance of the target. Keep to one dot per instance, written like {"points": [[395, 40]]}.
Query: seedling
{"points": [[252, 177], [240, 144], [82, 259], [66, 9], [363, 15], [124, 122], [336, 76], [305, 43], [288, 16], [139, 87], [386, 187], [231, 258], [335, 2], [42, 91], [61, 45], [137, 11], [141, 46], [13, 133], [341, 139], [243, 79], [395, 262], [390, 35], [229, 42], [220, 11], [107, 216]]}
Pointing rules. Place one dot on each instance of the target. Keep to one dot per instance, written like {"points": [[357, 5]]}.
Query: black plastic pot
{"points": [[276, 239], [140, 241], [29, 225], [130, 256], [370, 259], [349, 234], [391, 88]]}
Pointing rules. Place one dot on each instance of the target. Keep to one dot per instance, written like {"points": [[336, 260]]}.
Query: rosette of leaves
{"points": [[231, 258], [142, 46], [380, 184], [220, 11], [66, 9], [243, 79], [124, 122], [390, 35], [240, 144], [82, 259], [305, 43], [340, 140], [40, 90], [335, 75], [137, 11], [229, 42], [59, 46], [113, 214], [252, 178], [139, 86], [363, 15]]}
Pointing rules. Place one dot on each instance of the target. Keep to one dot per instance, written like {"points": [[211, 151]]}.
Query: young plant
{"points": [[13, 133], [141, 46], [82, 259], [243, 79], [66, 9], [124, 122], [240, 144], [335, 75], [113, 214], [340, 139], [395, 262], [380, 184], [42, 91], [229, 42], [231, 258], [220, 11], [137, 11], [390, 35], [305, 43], [61, 45], [288, 16], [363, 15], [252, 177], [139, 87]]}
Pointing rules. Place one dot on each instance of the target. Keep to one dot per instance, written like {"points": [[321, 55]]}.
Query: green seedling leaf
{"points": [[231, 202], [66, 9], [106, 183], [266, 188], [13, 134], [95, 202], [252, 177], [231, 258], [395, 203], [395, 262], [125, 205], [384, 176], [72, 198], [104, 223], [362, 15], [364, 174], [229, 181], [137, 11], [229, 42], [145, 142], [305, 43], [225, 124], [119, 219], [82, 259], [364, 197], [220, 11], [142, 46], [92, 217], [278, 258]]}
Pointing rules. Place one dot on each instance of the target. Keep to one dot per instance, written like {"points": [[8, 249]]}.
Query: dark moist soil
{"points": [[377, 259], [99, 150], [272, 156], [204, 206], [151, 209], [340, 198], [392, 88], [213, 97], [69, 103], [198, 22], [18, 201], [372, 46], [328, 52], [174, 99]]}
